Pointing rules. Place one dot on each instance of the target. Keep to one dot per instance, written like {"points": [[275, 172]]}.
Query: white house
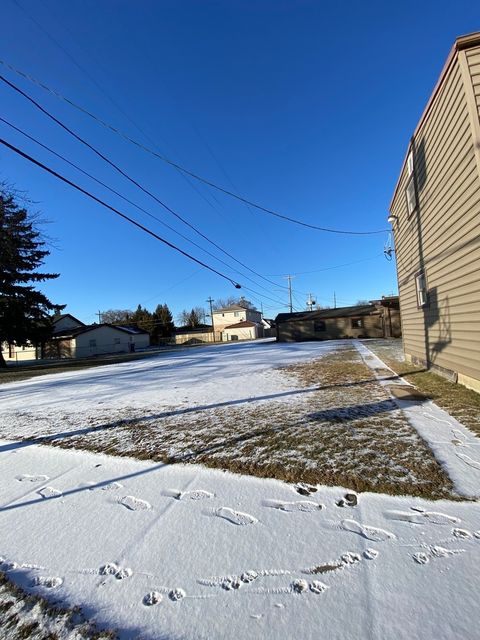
{"points": [[244, 330], [226, 322], [233, 314], [74, 339]]}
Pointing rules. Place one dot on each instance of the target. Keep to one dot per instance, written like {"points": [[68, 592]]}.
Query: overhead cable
{"points": [[116, 211], [187, 171], [125, 175], [134, 204]]}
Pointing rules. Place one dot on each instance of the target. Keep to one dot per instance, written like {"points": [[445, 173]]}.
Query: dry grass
{"points": [[341, 428], [24, 616], [460, 402]]}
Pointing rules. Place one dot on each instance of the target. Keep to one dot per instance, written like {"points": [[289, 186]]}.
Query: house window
{"points": [[357, 323], [319, 325], [421, 284], [93, 343], [410, 164], [116, 341], [236, 314], [411, 195]]}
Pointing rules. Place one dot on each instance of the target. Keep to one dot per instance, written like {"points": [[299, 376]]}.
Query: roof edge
{"points": [[461, 43]]}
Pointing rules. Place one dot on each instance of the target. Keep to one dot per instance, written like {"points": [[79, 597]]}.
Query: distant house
{"points": [[435, 215], [379, 319], [195, 335], [226, 322], [243, 330], [73, 339]]}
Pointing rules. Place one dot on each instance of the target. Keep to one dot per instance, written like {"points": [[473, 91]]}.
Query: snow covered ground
{"points": [[176, 552], [183, 552]]}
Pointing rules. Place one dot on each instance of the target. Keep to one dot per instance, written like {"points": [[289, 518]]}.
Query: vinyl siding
{"points": [[473, 59], [335, 328], [442, 235]]}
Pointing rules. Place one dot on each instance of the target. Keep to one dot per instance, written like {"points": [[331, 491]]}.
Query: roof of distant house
{"points": [[339, 312], [73, 332], [241, 325], [62, 316], [234, 307], [201, 328]]}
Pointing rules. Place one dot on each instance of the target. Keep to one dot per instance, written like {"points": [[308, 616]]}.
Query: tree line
{"points": [[26, 314]]}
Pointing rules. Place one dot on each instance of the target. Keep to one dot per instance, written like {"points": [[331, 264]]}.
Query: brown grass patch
{"points": [[341, 429], [24, 615], [461, 403]]}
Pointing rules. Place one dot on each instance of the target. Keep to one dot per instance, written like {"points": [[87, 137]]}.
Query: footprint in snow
{"points": [[366, 531], [235, 517], [290, 507], [109, 569], [27, 478], [135, 504], [420, 558], [318, 587], [154, 597], [195, 494], [462, 533], [305, 489], [112, 486], [435, 551], [49, 492], [112, 569], [422, 517], [47, 581], [176, 594], [370, 554]]}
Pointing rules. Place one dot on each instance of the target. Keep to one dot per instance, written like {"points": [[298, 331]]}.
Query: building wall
{"points": [[335, 328], [241, 333], [107, 340], [17, 353], [196, 337], [473, 60], [442, 235], [225, 318]]}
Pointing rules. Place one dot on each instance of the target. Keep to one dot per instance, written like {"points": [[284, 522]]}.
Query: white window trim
{"points": [[412, 197], [410, 165], [422, 291]]}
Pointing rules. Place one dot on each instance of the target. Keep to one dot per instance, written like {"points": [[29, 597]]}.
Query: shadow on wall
{"points": [[437, 314]]}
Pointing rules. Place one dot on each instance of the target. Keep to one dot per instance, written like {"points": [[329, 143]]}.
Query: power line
{"points": [[187, 171], [116, 211], [338, 266], [125, 175], [117, 193]]}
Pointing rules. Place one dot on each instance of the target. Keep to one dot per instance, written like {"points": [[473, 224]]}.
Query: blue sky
{"points": [[304, 107]]}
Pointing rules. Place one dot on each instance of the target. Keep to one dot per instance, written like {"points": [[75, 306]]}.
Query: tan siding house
{"points": [[435, 215], [379, 319], [232, 315]]}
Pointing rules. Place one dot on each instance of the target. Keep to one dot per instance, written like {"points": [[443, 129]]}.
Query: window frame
{"points": [[316, 324], [412, 197], [356, 323], [421, 291]]}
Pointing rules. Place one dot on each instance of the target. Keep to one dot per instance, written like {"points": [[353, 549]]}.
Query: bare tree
{"points": [[223, 303], [117, 316]]}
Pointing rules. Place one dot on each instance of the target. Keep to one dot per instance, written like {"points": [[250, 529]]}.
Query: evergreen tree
{"points": [[163, 320], [25, 313], [143, 319]]}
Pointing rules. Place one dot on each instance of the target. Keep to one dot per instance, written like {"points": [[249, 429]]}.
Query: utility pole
{"points": [[334, 300], [310, 302], [99, 314], [210, 301], [290, 305]]}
